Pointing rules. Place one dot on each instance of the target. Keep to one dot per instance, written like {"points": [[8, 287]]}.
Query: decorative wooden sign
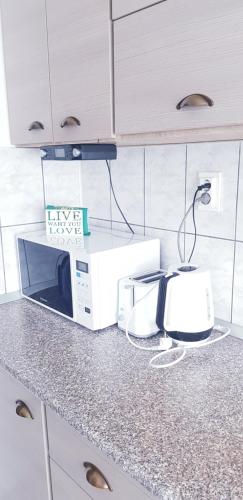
{"points": [[66, 221]]}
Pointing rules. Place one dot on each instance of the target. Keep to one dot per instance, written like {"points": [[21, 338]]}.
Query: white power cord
{"points": [[165, 344], [223, 330]]}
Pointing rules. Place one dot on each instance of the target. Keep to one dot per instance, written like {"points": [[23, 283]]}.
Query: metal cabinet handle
{"points": [[95, 477], [22, 410], [70, 121], [195, 100], [36, 126]]}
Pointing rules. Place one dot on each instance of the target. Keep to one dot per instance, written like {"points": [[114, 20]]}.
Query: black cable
{"points": [[114, 195], [206, 186], [194, 224]]}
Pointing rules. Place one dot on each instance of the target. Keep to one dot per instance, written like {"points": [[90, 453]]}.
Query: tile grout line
{"points": [[174, 231], [23, 224], [235, 240], [138, 10]]}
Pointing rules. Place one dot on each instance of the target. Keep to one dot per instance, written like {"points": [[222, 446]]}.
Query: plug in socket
{"points": [[215, 178]]}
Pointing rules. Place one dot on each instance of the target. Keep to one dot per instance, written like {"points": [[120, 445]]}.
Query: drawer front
{"points": [[172, 50], [124, 7], [63, 488], [22, 459], [84, 463]]}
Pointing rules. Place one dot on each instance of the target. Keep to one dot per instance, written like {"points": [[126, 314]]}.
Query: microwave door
{"points": [[46, 276], [64, 283]]}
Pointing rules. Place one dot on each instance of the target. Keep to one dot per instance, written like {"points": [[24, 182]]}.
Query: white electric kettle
{"points": [[185, 304]]}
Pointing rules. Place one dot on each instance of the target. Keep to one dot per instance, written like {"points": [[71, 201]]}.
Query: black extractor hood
{"points": [[69, 152]]}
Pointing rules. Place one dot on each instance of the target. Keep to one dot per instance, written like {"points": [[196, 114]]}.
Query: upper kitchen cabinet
{"points": [[176, 49], [26, 71], [124, 7], [79, 37]]}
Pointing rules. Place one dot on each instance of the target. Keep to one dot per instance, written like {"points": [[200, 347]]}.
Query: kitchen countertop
{"points": [[179, 431]]}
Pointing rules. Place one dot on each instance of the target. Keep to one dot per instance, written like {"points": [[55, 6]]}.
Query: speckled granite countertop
{"points": [[179, 432]]}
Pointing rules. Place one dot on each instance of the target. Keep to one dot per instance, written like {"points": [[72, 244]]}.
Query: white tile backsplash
{"points": [[100, 223], [21, 186], [214, 157], [165, 170], [168, 252], [121, 226], [150, 184], [128, 180], [62, 183], [96, 189]]}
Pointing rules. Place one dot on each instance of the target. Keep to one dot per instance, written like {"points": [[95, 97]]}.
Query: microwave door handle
{"points": [[161, 303], [59, 278], [63, 273]]}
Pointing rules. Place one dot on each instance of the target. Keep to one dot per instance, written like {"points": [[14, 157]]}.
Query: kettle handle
{"points": [[160, 314]]}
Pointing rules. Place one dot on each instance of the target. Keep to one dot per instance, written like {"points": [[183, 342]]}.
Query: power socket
{"points": [[215, 178]]}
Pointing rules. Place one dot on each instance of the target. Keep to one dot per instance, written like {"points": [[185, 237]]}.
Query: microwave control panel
{"points": [[83, 288]]}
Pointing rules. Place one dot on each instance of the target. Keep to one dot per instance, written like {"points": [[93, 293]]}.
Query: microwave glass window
{"points": [[60, 153], [46, 275], [82, 266]]}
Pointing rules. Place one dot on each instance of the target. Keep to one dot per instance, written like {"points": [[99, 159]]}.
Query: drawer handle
{"points": [[194, 101], [95, 477], [70, 121], [22, 410], [36, 126]]}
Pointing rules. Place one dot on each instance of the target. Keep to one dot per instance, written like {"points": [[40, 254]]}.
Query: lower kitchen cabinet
{"points": [[63, 488], [22, 456], [98, 477], [72, 468]]}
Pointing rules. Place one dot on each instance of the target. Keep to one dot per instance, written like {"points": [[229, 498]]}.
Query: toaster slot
{"points": [[149, 277]]}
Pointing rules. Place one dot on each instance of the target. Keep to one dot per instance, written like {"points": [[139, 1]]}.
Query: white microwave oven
{"points": [[79, 278]]}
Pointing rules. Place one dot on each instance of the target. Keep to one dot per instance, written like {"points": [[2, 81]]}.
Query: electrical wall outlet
{"points": [[215, 178]]}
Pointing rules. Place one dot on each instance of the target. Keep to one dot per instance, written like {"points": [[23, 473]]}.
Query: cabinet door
{"points": [[63, 488], [85, 464], [172, 50], [27, 70], [22, 461], [79, 33], [124, 7]]}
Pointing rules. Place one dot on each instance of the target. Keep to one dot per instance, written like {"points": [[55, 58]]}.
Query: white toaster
{"points": [[140, 290]]}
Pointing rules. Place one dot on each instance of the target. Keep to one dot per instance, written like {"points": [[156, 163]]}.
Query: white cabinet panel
{"points": [[174, 49], [79, 34], [22, 462], [27, 70], [71, 452], [124, 7], [63, 488]]}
